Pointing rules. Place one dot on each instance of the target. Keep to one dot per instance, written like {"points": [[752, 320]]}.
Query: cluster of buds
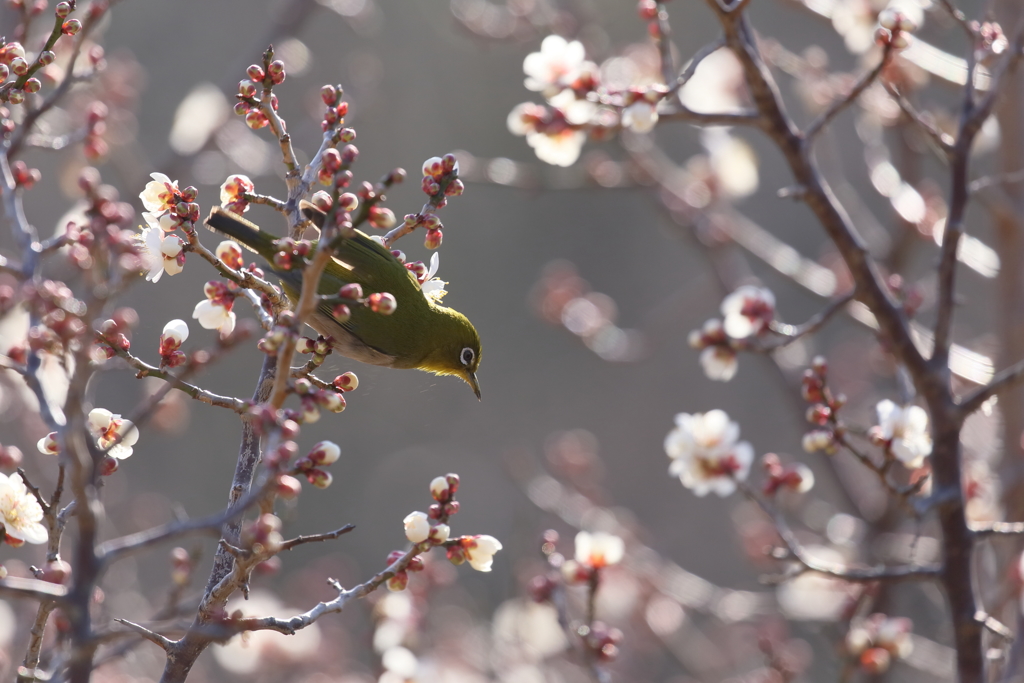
{"points": [[313, 399], [823, 409], [601, 639], [108, 218], [60, 328], [440, 181], [270, 74], [990, 39], [320, 348], [877, 640], [265, 420], [233, 191], [11, 457], [25, 177], [335, 164], [262, 535], [14, 61], [335, 111], [174, 335], [112, 336], [323, 455], [400, 580], [94, 146], [894, 29], [796, 477], [291, 253]]}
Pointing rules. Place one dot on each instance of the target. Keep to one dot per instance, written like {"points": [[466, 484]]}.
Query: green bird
{"points": [[419, 334]]}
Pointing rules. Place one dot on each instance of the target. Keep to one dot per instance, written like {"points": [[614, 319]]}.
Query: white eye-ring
{"points": [[467, 356]]}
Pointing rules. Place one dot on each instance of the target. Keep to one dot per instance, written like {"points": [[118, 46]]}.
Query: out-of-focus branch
{"points": [[1003, 380], [842, 103]]}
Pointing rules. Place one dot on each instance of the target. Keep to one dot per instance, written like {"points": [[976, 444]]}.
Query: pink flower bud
{"points": [[433, 167], [319, 478], [329, 95], [276, 71], [333, 401], [347, 134], [255, 72], [288, 487], [48, 444], [10, 457], [325, 453], [398, 582], [62, 10], [439, 488], [341, 313], [348, 202], [455, 188], [346, 382], [382, 302], [71, 27], [322, 200], [433, 239], [246, 88], [33, 85]]}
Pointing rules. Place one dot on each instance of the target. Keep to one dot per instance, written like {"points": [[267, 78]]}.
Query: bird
{"points": [[419, 334]]}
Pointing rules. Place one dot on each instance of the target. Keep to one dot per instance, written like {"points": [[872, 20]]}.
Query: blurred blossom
{"points": [[719, 363], [905, 431], [252, 651], [527, 631], [558, 148], [20, 512], [748, 311], [203, 111], [732, 160], [641, 116], [706, 452], [555, 66], [598, 549], [577, 112], [717, 86], [815, 597]]}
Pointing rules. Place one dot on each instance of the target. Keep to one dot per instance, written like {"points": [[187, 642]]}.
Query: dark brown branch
{"points": [[842, 103], [791, 333], [316, 538], [942, 141], [1003, 380]]}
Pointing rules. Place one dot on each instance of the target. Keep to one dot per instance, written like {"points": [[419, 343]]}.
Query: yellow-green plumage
{"points": [[418, 334]]}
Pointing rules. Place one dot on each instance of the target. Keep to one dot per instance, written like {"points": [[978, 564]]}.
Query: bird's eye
{"points": [[467, 356]]}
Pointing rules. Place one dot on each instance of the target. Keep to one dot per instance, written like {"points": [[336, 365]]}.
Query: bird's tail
{"points": [[245, 232]]}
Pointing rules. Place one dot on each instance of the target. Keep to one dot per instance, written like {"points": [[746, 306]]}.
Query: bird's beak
{"points": [[474, 384]]}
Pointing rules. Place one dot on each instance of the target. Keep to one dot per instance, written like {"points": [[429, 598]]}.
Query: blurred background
{"points": [[427, 78]]}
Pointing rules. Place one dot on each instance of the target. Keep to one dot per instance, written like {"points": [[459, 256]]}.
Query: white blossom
{"points": [[159, 194], [108, 427], [719, 363], [906, 429], [640, 117], [560, 148], [598, 549], [161, 252], [707, 454], [20, 512], [176, 330], [433, 288], [481, 553], [417, 527], [555, 66], [214, 316], [747, 311]]}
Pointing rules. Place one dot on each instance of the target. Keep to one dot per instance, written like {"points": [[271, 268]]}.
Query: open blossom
{"points": [[433, 287], [905, 430], [108, 427], [161, 252], [160, 194], [558, 148], [707, 454], [556, 66], [20, 512], [641, 116], [598, 549], [480, 552], [719, 363], [747, 311], [215, 316]]}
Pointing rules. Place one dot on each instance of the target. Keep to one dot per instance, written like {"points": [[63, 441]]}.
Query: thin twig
{"points": [[843, 102]]}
